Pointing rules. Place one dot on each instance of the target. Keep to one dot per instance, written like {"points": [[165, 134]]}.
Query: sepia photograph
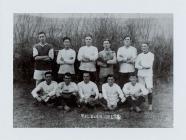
{"points": [[93, 70]]}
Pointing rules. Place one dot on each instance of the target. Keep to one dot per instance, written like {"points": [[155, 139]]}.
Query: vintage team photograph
{"points": [[93, 70]]}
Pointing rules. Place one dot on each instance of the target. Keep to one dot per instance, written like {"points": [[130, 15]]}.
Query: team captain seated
{"points": [[67, 93], [88, 92]]}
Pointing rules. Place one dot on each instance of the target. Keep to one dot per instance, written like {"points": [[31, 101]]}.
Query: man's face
{"points": [[66, 43], [145, 48], [42, 38], [127, 41], [88, 40], [110, 80], [67, 79], [48, 78], [86, 77], [106, 44], [133, 79]]}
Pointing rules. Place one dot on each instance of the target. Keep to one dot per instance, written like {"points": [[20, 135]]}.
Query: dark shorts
{"points": [[67, 99], [136, 102], [123, 78]]}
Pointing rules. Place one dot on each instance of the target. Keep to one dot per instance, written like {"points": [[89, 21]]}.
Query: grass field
{"points": [[25, 114]]}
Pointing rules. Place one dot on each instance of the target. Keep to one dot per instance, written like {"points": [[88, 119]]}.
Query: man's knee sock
{"points": [[150, 98]]}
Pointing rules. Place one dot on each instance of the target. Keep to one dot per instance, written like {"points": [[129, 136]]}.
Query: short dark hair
{"points": [[66, 38], [110, 75], [147, 43], [42, 33], [127, 36], [107, 40], [48, 72], [68, 74], [87, 73], [133, 75], [88, 35]]}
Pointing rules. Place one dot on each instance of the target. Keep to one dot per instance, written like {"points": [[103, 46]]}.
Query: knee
{"points": [[141, 98], [150, 90], [112, 107], [102, 101], [100, 96], [129, 98]]}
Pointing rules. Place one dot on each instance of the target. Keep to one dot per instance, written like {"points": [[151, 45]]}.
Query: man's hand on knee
{"points": [[38, 99], [150, 90]]}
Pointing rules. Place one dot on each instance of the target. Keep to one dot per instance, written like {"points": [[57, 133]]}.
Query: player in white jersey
{"points": [[66, 58], [87, 55], [88, 92], [67, 93], [126, 56], [134, 92], [144, 64], [111, 93], [45, 92]]}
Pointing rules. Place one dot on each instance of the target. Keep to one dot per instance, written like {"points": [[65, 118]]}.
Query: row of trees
{"points": [[26, 28]]}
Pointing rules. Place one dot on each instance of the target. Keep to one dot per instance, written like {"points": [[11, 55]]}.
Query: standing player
{"points": [[66, 58], [106, 60], [45, 90], [134, 92], [126, 56], [112, 93], [144, 64], [88, 92], [87, 56], [43, 54]]}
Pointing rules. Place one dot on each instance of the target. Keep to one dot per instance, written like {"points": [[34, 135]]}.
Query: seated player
{"points": [[112, 94], [144, 64], [88, 92], [106, 60], [45, 92], [67, 93], [134, 93]]}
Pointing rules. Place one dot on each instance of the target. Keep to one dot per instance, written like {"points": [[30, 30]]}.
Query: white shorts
{"points": [[39, 74], [146, 80]]}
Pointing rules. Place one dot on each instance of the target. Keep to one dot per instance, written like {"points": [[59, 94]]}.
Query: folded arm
{"points": [[71, 60], [120, 57], [113, 61], [59, 60]]}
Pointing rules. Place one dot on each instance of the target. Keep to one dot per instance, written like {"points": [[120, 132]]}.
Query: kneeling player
{"points": [[45, 91], [88, 92], [67, 93], [111, 93], [134, 92]]}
